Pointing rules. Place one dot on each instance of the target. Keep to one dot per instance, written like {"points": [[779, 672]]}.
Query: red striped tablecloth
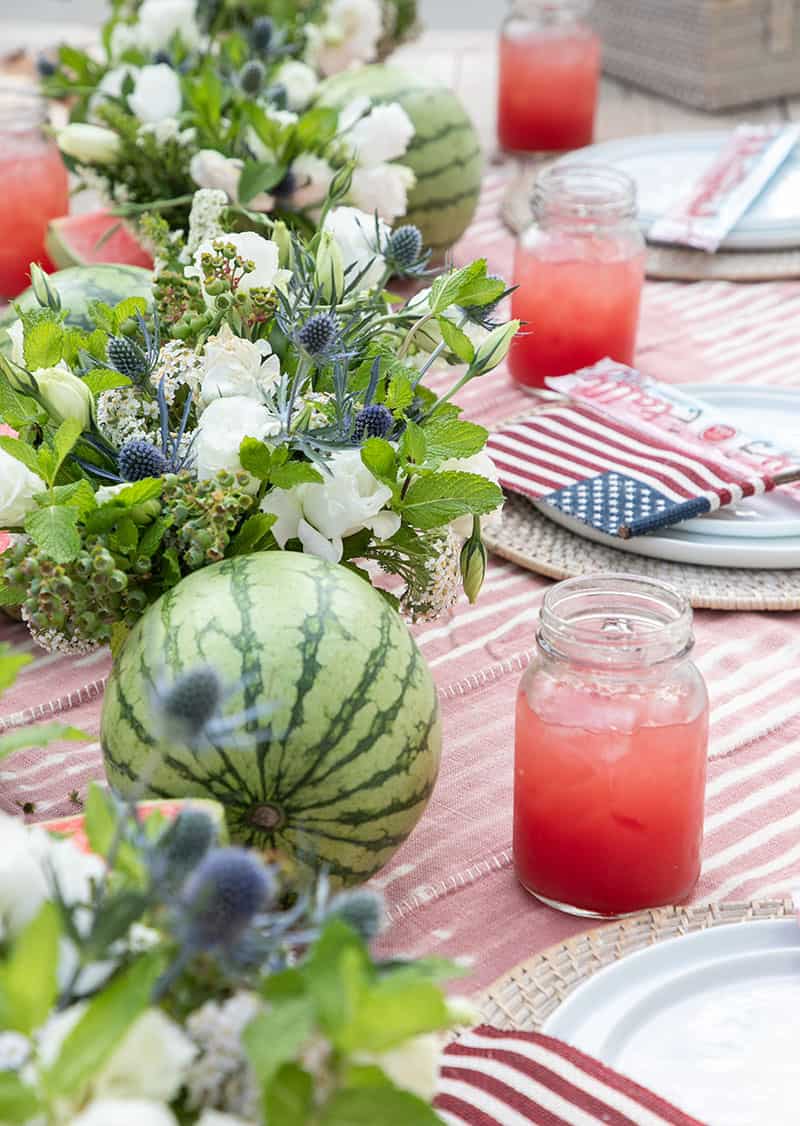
{"points": [[455, 872]]}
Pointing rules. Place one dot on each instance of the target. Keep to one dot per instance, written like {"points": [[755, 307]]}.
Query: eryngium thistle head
{"points": [[251, 77], [319, 333], [190, 704], [405, 246], [261, 33], [362, 909], [126, 357], [223, 894], [373, 422], [184, 844], [138, 459]]}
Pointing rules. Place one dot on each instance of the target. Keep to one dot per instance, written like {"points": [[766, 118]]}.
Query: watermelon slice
{"points": [[74, 826], [99, 236]]}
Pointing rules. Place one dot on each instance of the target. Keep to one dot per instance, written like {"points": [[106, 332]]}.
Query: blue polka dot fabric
{"points": [[622, 506]]}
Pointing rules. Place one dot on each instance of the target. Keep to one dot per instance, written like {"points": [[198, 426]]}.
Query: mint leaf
{"points": [[289, 1098], [18, 1102], [147, 489], [400, 394], [413, 446], [44, 345], [274, 1037], [482, 291], [22, 452], [295, 473], [439, 498], [380, 459], [391, 1012], [447, 289], [259, 176], [53, 529], [65, 438], [153, 535], [28, 982], [456, 340], [366, 1106], [256, 458], [100, 820], [450, 437], [252, 535], [78, 494], [11, 664], [104, 379], [15, 409], [39, 736], [316, 128], [127, 309]]}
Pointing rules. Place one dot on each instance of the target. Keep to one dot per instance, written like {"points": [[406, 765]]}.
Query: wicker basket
{"points": [[714, 54]]}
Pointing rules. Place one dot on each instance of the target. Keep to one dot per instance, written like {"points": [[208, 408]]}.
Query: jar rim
{"points": [[585, 190], [615, 619], [22, 107], [552, 9]]}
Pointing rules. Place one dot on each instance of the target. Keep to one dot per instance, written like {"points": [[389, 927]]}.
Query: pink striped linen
{"points": [[455, 873]]}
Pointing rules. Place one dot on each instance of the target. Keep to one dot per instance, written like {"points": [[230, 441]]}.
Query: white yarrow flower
{"points": [[156, 93]]}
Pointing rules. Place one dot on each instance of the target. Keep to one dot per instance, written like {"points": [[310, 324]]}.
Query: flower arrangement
{"points": [[158, 977], [200, 94], [274, 399]]}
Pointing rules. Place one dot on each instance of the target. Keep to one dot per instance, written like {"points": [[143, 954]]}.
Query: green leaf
{"points": [[100, 819], [450, 437], [104, 379], [256, 458], [48, 464], [274, 1037], [108, 1017], [21, 738], [447, 289], [153, 535], [102, 315], [391, 1012], [65, 439], [127, 309], [22, 452], [259, 176], [413, 446], [125, 538], [480, 292], [367, 1106], [170, 568], [17, 410], [252, 535], [19, 1103], [290, 1097], [44, 345], [11, 665], [295, 473], [78, 494], [380, 459], [28, 980], [12, 595], [147, 489], [316, 128], [336, 972], [54, 530], [439, 498], [456, 340], [400, 394]]}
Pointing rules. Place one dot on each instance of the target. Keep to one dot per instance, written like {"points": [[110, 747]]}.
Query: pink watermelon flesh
{"points": [[78, 240]]}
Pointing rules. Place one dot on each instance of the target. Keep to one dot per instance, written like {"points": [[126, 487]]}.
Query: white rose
{"points": [[355, 233], [65, 395], [482, 465], [264, 253], [125, 1112], [413, 1066], [383, 189], [151, 1062], [233, 366], [16, 334], [159, 20], [156, 93], [88, 144], [384, 134], [18, 486], [300, 83], [313, 176], [322, 515], [223, 425], [349, 36]]}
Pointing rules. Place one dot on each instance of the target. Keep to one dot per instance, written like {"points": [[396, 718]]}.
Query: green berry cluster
{"points": [[179, 301], [205, 514]]}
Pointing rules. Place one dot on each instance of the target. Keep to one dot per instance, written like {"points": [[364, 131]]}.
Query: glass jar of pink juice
{"points": [[579, 270], [33, 186], [549, 73], [611, 746]]}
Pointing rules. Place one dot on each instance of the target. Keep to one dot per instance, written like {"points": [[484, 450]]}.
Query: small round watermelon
{"points": [[94, 238], [446, 153], [353, 753]]}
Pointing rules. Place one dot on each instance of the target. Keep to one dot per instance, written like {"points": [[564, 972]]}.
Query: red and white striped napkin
{"points": [[496, 1078]]}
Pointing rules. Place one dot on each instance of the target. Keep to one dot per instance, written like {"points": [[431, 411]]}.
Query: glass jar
{"points": [[33, 186], [549, 72], [579, 270], [611, 745]]}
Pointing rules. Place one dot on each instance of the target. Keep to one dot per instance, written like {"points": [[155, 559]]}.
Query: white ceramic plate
{"points": [[709, 1021], [760, 533], [666, 165]]}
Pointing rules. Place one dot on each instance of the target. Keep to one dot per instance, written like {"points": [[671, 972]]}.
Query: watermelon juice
{"points": [[33, 188]]}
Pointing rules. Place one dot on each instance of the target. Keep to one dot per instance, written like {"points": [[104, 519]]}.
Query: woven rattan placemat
{"points": [[532, 541], [524, 998], [666, 262]]}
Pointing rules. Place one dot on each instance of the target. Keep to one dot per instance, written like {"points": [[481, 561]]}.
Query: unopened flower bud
{"points": [[329, 271], [495, 347], [473, 563]]}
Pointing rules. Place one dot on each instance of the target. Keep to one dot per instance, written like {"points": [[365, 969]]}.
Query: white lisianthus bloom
{"points": [[262, 252], [300, 83], [217, 1118], [18, 486], [88, 144], [65, 395], [354, 110], [349, 36], [109, 86], [382, 135], [158, 21], [124, 37], [125, 1112], [413, 1066], [234, 366], [156, 93], [223, 426], [355, 234], [151, 1062], [210, 169], [383, 189], [16, 334], [313, 176], [322, 515], [482, 465]]}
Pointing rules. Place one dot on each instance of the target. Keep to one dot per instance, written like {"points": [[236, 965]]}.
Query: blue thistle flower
{"points": [[373, 422], [126, 357], [222, 896], [261, 33], [184, 844], [286, 186], [362, 909], [138, 459], [251, 77], [191, 703], [45, 67], [163, 57], [405, 246], [319, 334]]}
